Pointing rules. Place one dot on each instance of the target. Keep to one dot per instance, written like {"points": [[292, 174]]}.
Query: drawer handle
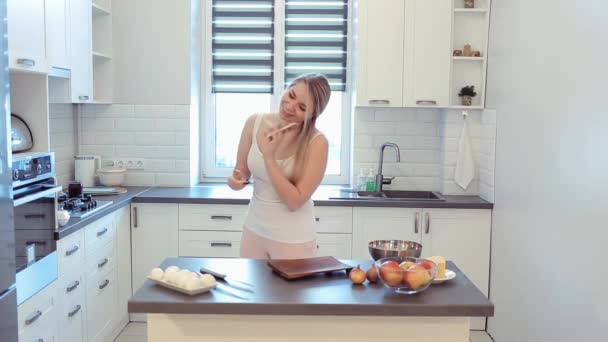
{"points": [[379, 102], [75, 311], [221, 244], [34, 216], [426, 102], [427, 218], [317, 219], [72, 250], [26, 61], [83, 97], [416, 219], [105, 283], [221, 217], [73, 286], [101, 232], [103, 263], [135, 223], [40, 340], [33, 319]]}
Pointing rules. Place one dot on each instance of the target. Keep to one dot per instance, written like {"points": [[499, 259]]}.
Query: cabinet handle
{"points": [[26, 61], [103, 263], [34, 317], [73, 286], [75, 311], [40, 340], [101, 232], [379, 102], [426, 102], [416, 219], [72, 250], [83, 97], [317, 219], [427, 218], [221, 244], [221, 217], [105, 283], [135, 217], [34, 216], [317, 246]]}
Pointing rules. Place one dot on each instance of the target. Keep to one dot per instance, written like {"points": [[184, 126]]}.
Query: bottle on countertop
{"points": [[361, 183], [371, 180]]}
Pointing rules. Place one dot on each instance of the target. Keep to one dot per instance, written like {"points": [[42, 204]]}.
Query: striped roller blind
{"points": [[243, 46], [315, 39]]}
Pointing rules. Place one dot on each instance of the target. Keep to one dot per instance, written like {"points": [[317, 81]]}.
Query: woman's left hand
{"points": [[269, 143]]}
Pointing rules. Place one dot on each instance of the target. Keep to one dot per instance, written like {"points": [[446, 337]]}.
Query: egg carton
{"points": [[182, 289]]}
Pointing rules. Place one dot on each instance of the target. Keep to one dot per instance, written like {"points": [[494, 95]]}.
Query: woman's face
{"points": [[294, 102]]}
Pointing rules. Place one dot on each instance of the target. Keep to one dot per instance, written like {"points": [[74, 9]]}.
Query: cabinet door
{"points": [[26, 35], [123, 263], [100, 306], [37, 317], [337, 245], [334, 219], [383, 224], [72, 305], [380, 53], [462, 236], [196, 243], [427, 53], [58, 33], [81, 81]]}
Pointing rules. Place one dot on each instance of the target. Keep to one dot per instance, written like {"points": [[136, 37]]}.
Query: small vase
{"points": [[467, 100], [469, 3]]}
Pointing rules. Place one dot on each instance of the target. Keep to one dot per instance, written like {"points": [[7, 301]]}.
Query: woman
{"points": [[286, 156]]}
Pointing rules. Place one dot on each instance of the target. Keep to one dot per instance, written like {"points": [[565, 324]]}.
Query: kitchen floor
{"points": [[136, 332]]}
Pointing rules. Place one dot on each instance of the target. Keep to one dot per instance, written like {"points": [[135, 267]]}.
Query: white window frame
{"points": [[210, 173]]}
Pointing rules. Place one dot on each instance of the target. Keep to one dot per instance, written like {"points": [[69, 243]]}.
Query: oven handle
{"points": [[36, 196]]}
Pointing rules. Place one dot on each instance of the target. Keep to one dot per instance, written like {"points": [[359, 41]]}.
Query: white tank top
{"points": [[268, 216]]}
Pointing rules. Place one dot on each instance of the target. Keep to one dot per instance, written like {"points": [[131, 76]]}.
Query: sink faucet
{"points": [[379, 178]]}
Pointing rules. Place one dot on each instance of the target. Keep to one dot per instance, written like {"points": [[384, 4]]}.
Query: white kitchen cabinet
{"points": [[37, 317], [404, 53], [123, 264], [57, 14], [218, 217], [334, 219], [71, 287], [26, 35], [214, 244], [101, 305], [80, 85], [154, 236], [337, 245]]}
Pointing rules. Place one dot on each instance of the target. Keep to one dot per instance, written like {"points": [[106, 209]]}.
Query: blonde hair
{"points": [[319, 93]]}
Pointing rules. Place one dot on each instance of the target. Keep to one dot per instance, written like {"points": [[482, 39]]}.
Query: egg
{"points": [[207, 280], [172, 268], [192, 284], [157, 274], [171, 276]]}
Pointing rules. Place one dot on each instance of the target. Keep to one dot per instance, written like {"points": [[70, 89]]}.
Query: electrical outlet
{"points": [[130, 163]]}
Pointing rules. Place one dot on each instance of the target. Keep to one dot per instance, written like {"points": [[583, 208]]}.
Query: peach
{"points": [[390, 272], [416, 277]]}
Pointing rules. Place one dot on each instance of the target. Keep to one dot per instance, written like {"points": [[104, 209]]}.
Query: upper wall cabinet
{"points": [[26, 35], [57, 14], [80, 87], [404, 53]]}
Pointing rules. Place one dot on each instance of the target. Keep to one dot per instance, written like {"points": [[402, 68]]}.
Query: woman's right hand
{"points": [[237, 181]]}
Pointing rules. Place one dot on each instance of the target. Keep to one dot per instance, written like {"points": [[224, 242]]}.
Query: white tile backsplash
{"points": [[62, 121], [158, 133]]}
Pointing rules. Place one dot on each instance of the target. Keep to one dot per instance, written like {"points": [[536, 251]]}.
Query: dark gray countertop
{"points": [[120, 201], [222, 194], [318, 295]]}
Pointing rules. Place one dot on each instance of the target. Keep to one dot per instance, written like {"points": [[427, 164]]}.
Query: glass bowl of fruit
{"points": [[406, 275]]}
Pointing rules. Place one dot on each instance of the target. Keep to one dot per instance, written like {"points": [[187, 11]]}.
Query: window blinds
{"points": [[243, 46], [315, 40]]}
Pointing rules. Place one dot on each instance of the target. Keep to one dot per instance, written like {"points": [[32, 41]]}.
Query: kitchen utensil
{"points": [[299, 268], [406, 279], [223, 277], [74, 189], [63, 216], [379, 249], [449, 275], [85, 167], [21, 135], [104, 190], [111, 176]]}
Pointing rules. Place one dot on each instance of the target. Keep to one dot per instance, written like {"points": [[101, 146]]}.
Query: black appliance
{"points": [[8, 293], [81, 205], [35, 207]]}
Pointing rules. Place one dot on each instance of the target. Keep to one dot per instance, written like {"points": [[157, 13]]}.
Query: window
{"points": [[258, 47]]}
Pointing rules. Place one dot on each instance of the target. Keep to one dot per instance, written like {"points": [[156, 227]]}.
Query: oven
{"points": [[35, 205]]}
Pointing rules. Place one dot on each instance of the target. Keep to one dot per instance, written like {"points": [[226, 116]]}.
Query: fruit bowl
{"points": [[406, 275], [379, 249]]}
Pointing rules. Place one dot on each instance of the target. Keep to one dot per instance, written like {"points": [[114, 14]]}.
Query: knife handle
{"points": [[215, 274]]}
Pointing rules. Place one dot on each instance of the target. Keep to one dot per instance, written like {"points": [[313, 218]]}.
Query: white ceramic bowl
{"points": [[111, 176]]}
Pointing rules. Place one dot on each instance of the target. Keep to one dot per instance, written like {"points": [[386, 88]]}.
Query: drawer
{"points": [[71, 286], [71, 309], [212, 217], [101, 261], [101, 304], [334, 219], [337, 245], [99, 233], [209, 244], [37, 317], [70, 251]]}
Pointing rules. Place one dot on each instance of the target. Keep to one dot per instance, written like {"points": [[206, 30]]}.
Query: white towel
{"points": [[465, 166]]}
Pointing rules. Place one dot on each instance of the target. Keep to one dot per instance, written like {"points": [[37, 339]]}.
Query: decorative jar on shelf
{"points": [[469, 3], [467, 100]]}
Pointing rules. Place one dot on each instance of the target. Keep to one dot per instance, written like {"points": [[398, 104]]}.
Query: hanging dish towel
{"points": [[465, 166]]}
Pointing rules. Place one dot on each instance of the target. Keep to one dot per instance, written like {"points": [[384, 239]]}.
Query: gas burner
{"points": [[81, 206]]}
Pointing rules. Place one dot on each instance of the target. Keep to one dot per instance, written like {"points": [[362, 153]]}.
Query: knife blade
{"points": [[223, 277], [225, 289]]}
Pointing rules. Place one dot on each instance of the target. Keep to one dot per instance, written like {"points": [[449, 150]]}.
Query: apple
{"points": [[390, 272], [416, 277], [427, 264], [406, 264]]}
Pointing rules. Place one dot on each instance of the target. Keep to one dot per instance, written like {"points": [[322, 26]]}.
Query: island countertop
{"points": [[327, 294]]}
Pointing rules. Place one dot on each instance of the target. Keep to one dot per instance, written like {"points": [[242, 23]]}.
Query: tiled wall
{"points": [[157, 133], [487, 155], [63, 140]]}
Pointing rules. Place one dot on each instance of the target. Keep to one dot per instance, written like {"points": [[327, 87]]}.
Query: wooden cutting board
{"points": [[299, 268]]}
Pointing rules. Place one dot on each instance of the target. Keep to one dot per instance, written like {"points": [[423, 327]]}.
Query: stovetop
{"points": [[81, 206]]}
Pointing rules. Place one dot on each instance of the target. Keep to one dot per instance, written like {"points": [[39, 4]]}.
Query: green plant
{"points": [[467, 91]]}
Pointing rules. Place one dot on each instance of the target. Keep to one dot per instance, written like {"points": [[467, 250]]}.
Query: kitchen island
{"points": [[325, 307]]}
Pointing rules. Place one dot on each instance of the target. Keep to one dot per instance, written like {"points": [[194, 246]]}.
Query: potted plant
{"points": [[469, 3], [467, 93]]}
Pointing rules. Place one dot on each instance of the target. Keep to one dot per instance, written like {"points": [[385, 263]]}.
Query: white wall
{"points": [[547, 80], [62, 122]]}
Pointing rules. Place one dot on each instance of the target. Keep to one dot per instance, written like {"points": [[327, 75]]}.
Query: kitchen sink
{"points": [[390, 195]]}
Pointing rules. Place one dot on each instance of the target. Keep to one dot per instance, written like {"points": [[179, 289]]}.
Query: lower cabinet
{"points": [[101, 306], [38, 316]]}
